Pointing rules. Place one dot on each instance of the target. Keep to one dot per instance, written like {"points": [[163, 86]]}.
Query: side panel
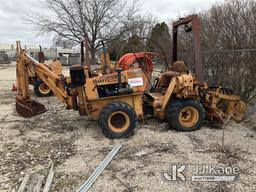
{"points": [[134, 100], [168, 93], [134, 78], [90, 89]]}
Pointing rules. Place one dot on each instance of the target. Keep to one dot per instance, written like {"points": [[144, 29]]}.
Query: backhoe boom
{"points": [[25, 106]]}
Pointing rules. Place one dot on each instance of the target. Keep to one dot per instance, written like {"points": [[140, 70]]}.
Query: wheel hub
{"points": [[188, 116], [119, 121], [44, 88]]}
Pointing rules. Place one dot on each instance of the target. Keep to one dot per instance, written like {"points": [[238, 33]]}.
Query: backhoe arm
{"points": [[24, 105]]}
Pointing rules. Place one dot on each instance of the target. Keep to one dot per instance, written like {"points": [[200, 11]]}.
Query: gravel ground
{"points": [[76, 146]]}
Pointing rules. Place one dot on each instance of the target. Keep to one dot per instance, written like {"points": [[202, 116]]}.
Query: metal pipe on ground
{"points": [[89, 182]]}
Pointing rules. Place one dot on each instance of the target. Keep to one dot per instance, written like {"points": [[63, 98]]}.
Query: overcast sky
{"points": [[13, 26]]}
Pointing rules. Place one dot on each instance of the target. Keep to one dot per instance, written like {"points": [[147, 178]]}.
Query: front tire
{"points": [[118, 120], [185, 115], [41, 89]]}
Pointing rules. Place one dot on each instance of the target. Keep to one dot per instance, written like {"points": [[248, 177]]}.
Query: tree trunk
{"points": [[93, 58]]}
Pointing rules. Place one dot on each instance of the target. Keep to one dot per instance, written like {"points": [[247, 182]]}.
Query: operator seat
{"points": [[180, 67]]}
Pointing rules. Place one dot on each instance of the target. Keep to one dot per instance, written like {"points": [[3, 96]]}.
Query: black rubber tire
{"points": [[174, 109], [106, 114], [37, 89]]}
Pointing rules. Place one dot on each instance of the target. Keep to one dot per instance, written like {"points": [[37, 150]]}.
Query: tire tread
{"points": [[110, 108]]}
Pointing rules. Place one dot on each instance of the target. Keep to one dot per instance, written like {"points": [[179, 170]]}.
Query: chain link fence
{"points": [[234, 69]]}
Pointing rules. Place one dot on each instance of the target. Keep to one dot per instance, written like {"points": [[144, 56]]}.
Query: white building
{"points": [[49, 53]]}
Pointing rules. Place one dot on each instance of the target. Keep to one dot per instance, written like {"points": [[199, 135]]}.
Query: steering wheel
{"points": [[95, 72]]}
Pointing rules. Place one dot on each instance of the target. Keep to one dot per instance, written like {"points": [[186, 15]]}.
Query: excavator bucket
{"points": [[29, 108], [25, 106]]}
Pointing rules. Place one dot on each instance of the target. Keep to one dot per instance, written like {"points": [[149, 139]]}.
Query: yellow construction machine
{"points": [[40, 87], [118, 99], [108, 98]]}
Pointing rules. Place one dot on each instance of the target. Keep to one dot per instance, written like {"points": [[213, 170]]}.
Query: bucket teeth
{"points": [[29, 108]]}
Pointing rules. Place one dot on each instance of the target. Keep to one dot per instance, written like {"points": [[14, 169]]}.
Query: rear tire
{"points": [[185, 115], [41, 89], [118, 120]]}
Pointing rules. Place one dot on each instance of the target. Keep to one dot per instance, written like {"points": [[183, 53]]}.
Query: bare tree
{"points": [[76, 19], [138, 25], [230, 28], [62, 42], [228, 45], [132, 37]]}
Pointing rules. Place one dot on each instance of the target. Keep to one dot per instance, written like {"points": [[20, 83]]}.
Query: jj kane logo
{"points": [[179, 172]]}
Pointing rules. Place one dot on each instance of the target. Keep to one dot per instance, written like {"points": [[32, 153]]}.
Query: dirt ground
{"points": [[76, 146]]}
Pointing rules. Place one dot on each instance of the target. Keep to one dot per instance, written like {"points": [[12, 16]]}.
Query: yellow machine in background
{"points": [[40, 88]]}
